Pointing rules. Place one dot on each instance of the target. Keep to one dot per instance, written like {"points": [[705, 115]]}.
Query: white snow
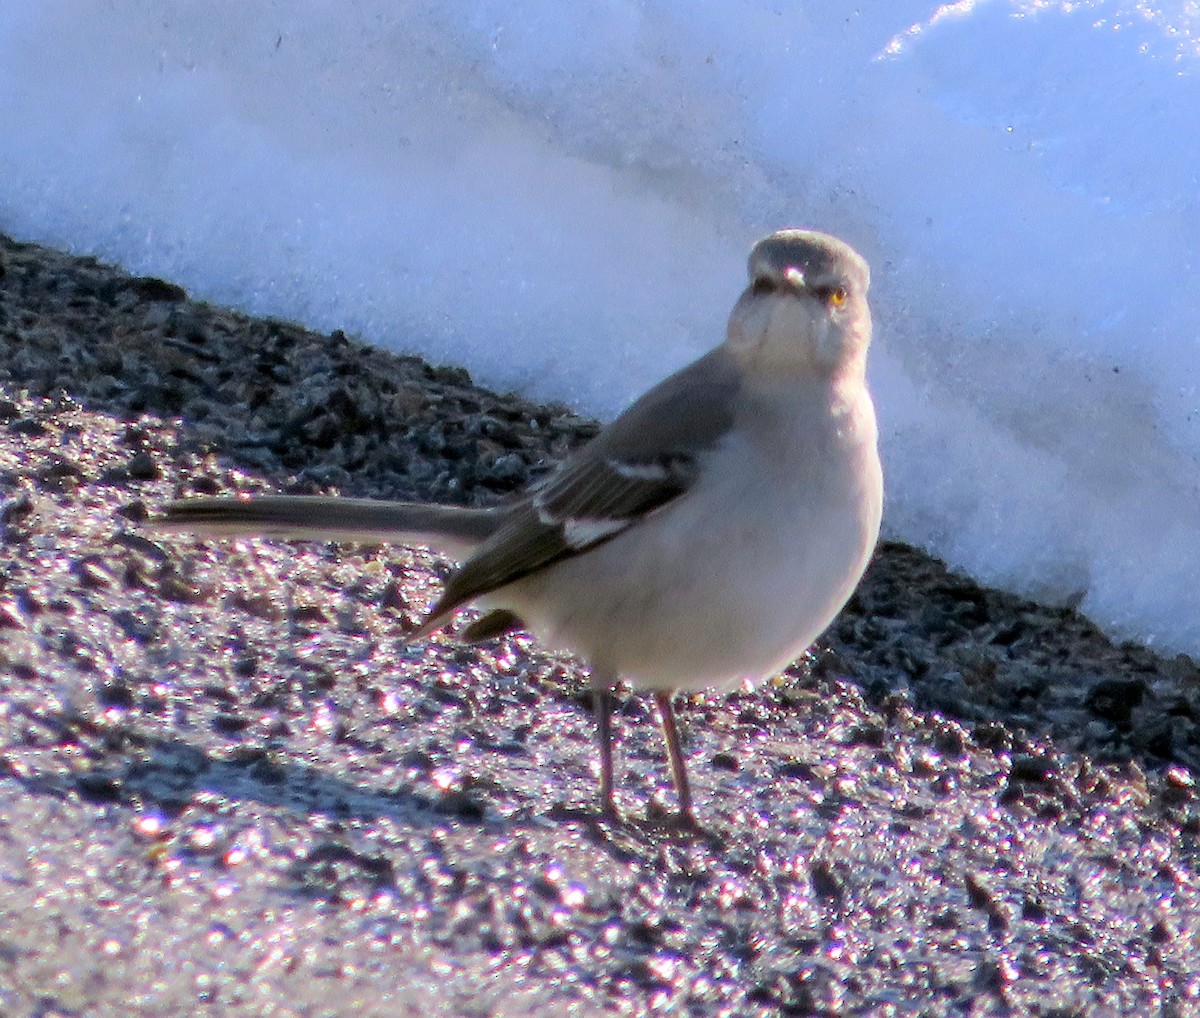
{"points": [[561, 196]]}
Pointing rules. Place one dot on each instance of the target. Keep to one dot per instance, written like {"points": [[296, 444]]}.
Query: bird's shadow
{"points": [[166, 777]]}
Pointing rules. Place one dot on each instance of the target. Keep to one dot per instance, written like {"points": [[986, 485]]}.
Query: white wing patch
{"points": [[639, 471], [544, 515], [582, 533], [615, 482]]}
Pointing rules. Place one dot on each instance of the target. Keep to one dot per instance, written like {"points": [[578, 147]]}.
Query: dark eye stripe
{"points": [[763, 285]]}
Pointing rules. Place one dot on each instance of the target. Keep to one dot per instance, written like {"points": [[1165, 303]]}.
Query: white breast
{"points": [[734, 580]]}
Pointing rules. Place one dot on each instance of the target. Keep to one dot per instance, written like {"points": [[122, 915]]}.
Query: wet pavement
{"points": [[229, 785]]}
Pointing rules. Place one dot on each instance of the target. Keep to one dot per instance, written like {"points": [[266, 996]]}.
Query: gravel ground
{"points": [[229, 786]]}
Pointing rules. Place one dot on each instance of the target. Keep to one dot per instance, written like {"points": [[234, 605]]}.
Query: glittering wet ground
{"points": [[228, 785]]}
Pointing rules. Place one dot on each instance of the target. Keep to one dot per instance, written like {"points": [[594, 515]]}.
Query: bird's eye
{"points": [[834, 296], [762, 285]]}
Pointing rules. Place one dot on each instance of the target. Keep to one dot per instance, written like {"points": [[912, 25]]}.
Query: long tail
{"points": [[451, 530]]}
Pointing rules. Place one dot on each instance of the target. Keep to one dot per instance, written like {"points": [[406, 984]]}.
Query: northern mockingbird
{"points": [[704, 538]]}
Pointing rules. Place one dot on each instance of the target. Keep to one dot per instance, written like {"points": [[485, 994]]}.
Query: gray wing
{"points": [[640, 463]]}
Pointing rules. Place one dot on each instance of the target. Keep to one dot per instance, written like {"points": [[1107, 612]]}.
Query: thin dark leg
{"points": [[666, 715], [602, 705]]}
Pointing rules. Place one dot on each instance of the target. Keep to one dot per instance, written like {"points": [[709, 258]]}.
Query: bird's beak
{"points": [[794, 277]]}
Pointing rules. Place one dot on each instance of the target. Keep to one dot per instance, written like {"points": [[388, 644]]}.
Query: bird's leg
{"points": [[602, 706], [666, 714]]}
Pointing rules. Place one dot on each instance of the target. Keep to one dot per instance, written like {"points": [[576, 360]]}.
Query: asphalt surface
{"points": [[230, 785]]}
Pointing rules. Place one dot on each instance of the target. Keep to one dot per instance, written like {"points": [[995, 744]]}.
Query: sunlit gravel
{"points": [[228, 785]]}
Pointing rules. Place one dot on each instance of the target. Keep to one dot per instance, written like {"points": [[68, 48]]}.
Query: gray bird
{"points": [[703, 539]]}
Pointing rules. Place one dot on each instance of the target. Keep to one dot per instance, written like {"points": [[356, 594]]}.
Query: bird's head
{"points": [[805, 308]]}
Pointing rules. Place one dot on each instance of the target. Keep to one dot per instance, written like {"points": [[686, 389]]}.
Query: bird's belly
{"points": [[686, 602]]}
